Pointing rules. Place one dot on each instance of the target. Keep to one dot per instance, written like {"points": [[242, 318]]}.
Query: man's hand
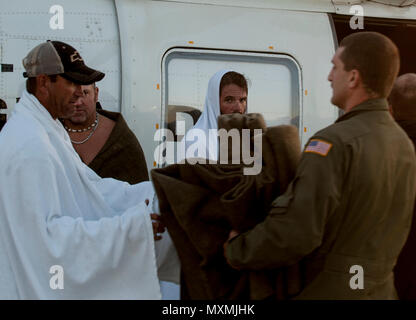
{"points": [[231, 235], [157, 225]]}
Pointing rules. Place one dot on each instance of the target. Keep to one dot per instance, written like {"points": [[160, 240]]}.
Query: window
{"points": [[273, 84]]}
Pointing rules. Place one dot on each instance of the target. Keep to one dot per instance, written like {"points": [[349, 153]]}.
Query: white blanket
{"points": [[54, 210]]}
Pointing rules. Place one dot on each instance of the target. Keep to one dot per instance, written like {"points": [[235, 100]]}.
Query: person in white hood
{"points": [[66, 233], [226, 93]]}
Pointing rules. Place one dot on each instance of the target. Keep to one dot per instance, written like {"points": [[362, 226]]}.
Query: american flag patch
{"points": [[318, 146]]}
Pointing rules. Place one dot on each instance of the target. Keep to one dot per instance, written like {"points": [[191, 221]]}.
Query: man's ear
{"points": [[96, 94], [354, 80], [42, 84]]}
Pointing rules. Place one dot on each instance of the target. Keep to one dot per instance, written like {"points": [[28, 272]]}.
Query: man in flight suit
{"points": [[348, 211]]}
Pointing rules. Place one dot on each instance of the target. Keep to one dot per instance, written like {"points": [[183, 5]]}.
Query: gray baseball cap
{"points": [[55, 57]]}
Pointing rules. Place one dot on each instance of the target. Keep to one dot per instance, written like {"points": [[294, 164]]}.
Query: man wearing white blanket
{"points": [[66, 233]]}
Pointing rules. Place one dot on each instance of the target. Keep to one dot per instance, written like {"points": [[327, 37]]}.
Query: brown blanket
{"points": [[200, 204]]}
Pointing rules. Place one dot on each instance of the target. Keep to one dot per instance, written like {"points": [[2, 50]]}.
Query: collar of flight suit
{"points": [[366, 106]]}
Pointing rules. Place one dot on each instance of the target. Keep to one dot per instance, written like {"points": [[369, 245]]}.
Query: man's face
{"points": [[339, 80], [233, 99], [85, 110], [63, 96]]}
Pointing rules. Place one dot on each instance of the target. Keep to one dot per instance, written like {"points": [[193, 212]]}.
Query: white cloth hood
{"points": [[208, 120]]}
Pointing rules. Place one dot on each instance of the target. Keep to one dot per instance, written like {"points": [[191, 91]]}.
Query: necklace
{"points": [[89, 136], [85, 129]]}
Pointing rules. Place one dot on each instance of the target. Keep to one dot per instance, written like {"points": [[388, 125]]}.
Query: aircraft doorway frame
{"points": [[233, 56]]}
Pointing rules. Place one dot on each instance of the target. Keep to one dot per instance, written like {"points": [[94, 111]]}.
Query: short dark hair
{"points": [[403, 97], [375, 56], [31, 83], [233, 77]]}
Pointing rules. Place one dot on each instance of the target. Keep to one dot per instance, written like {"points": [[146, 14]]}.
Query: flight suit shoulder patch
{"points": [[318, 146]]}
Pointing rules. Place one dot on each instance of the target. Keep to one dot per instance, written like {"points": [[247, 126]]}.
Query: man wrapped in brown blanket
{"points": [[201, 203]]}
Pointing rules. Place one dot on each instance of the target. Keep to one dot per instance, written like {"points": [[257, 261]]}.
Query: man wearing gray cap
{"points": [[65, 233]]}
